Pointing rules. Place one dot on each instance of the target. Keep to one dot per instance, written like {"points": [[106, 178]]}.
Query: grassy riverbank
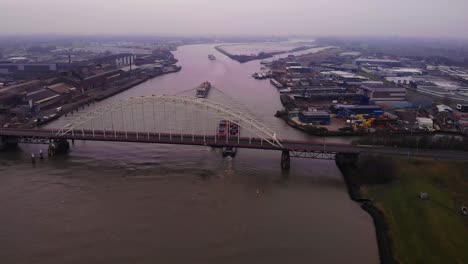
{"points": [[422, 231]]}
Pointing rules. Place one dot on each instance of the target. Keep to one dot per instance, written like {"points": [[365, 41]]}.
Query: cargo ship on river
{"points": [[228, 129], [203, 89]]}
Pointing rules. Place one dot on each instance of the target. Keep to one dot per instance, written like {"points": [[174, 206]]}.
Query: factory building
{"points": [[342, 67], [298, 69], [27, 68], [462, 108], [387, 97], [459, 94], [117, 60], [401, 72], [63, 88], [292, 63], [400, 80], [347, 110], [424, 123], [380, 92], [315, 117], [344, 77], [89, 79], [42, 98], [377, 62]]}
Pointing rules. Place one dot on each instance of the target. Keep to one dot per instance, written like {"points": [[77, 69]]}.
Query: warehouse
{"points": [[43, 98], [377, 62], [424, 123], [315, 117], [298, 69], [27, 68], [378, 92], [344, 77], [347, 110]]}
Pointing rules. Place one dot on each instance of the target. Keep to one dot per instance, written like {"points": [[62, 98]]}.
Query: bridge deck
{"points": [[31, 135]]}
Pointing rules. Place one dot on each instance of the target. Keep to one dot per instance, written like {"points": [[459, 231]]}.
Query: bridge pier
{"points": [[4, 144], [285, 160], [58, 146]]}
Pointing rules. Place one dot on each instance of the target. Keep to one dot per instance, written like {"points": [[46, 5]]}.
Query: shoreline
{"points": [[344, 163], [324, 132], [98, 96], [382, 186], [260, 56]]}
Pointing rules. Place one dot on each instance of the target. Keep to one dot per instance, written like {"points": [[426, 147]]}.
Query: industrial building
{"points": [[42, 98], [347, 110], [400, 80], [27, 68], [391, 72], [385, 96], [424, 123], [380, 92], [459, 94], [298, 69], [62, 88], [344, 77], [117, 60], [315, 117], [95, 78], [462, 108], [341, 67], [292, 63], [377, 62]]}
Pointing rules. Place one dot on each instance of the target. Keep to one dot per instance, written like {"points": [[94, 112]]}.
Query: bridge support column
{"points": [[285, 160], [5, 144], [58, 146]]}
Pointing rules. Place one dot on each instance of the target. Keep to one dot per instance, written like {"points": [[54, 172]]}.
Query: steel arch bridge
{"points": [[173, 114]]}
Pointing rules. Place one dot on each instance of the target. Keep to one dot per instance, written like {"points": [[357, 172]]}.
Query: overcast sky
{"points": [[437, 18]]}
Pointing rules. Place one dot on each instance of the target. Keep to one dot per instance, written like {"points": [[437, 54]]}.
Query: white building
{"points": [[425, 123], [344, 77]]}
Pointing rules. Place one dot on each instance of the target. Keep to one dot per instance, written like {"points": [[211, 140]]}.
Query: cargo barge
{"points": [[203, 89], [276, 83], [228, 129]]}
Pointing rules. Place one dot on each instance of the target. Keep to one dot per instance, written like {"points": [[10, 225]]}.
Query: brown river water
{"points": [[137, 203]]}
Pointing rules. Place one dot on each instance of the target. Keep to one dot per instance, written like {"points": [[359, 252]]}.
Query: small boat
{"points": [[211, 57]]}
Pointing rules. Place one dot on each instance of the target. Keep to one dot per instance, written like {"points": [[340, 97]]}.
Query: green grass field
{"points": [[426, 231]]}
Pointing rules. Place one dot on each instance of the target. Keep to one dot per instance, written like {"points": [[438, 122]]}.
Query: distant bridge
{"points": [[193, 129]]}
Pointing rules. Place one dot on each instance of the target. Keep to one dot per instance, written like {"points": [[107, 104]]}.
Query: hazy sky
{"points": [[237, 17]]}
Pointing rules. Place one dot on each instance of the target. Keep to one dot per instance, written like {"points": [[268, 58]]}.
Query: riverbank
{"points": [[141, 176], [113, 91], [410, 229], [370, 138], [260, 56], [94, 96]]}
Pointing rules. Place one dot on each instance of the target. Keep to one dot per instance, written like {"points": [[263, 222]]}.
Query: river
{"points": [[137, 203]]}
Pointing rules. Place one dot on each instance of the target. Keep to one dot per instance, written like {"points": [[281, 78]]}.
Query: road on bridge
{"points": [[39, 135]]}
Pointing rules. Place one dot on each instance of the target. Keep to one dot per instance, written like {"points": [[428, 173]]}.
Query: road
{"points": [[39, 135]]}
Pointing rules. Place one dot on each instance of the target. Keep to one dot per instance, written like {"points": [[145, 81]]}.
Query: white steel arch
{"points": [[244, 121]]}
